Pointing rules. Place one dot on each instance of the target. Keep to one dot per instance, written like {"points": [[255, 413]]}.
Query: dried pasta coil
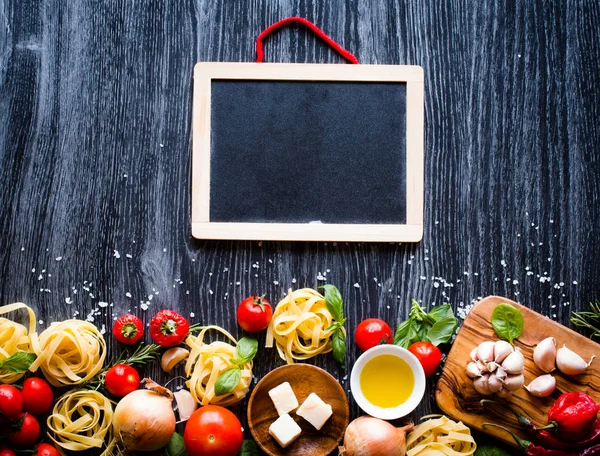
{"points": [[439, 435], [82, 420], [207, 361], [69, 352], [14, 337], [299, 326]]}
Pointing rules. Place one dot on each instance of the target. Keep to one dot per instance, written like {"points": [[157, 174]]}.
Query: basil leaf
{"points": [[334, 326], [442, 330], [176, 446], [405, 332], [227, 381], [250, 448], [488, 450], [507, 322], [246, 349], [339, 347], [440, 312], [334, 302], [18, 363]]}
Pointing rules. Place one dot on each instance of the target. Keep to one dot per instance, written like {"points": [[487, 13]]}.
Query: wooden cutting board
{"points": [[457, 398]]}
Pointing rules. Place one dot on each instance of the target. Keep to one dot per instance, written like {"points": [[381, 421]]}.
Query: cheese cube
{"points": [[285, 430], [283, 398], [315, 411]]}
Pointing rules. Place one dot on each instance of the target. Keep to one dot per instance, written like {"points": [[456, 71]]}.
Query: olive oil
{"points": [[387, 381]]}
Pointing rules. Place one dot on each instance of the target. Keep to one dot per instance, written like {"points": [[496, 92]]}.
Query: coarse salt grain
{"points": [[128, 294]]}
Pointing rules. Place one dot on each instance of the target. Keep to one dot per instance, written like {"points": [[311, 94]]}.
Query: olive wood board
{"points": [[304, 379], [457, 398]]}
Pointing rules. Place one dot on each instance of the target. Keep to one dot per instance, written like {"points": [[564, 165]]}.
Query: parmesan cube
{"points": [[315, 411], [285, 430], [283, 398]]}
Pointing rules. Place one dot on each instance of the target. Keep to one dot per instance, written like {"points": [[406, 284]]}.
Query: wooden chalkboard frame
{"points": [[204, 228]]}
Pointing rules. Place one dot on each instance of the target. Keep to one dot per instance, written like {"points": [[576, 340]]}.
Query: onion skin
{"points": [[144, 420], [368, 436]]}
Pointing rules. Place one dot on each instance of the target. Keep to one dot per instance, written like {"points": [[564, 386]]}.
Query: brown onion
{"points": [[368, 436]]}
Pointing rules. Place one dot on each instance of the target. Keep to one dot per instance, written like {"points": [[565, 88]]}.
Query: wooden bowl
{"points": [[304, 379]]}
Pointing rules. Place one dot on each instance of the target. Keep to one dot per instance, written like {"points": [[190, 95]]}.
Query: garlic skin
{"points": [[514, 363], [501, 350], [542, 386], [570, 363], [473, 370], [514, 382], [485, 351], [544, 355], [481, 385]]}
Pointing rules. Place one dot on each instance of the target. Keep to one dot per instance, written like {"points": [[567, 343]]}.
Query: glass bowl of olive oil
{"points": [[387, 382]]}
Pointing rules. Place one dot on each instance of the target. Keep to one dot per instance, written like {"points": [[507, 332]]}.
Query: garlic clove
{"points": [[483, 367], [494, 383], [500, 373], [481, 385], [485, 351], [492, 366], [473, 370], [504, 393], [473, 354], [544, 355], [172, 357], [501, 350], [186, 405], [514, 382], [570, 363], [514, 363], [542, 386]]}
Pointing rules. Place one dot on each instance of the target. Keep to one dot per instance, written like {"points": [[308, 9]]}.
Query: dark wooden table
{"points": [[95, 147]]}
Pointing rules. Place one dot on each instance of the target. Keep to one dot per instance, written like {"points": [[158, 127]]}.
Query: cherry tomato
{"points": [[213, 430], [11, 402], [7, 452], [27, 434], [372, 332], [121, 380], [254, 314], [128, 329], [45, 449], [428, 355], [37, 396]]}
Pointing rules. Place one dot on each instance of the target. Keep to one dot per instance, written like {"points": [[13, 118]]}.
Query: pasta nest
{"points": [[299, 326], [438, 436], [207, 361], [70, 352]]}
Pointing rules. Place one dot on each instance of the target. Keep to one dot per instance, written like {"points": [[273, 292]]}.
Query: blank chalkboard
{"points": [[307, 152]]}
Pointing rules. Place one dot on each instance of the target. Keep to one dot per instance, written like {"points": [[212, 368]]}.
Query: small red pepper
{"points": [[168, 328], [572, 415], [128, 329], [530, 448]]}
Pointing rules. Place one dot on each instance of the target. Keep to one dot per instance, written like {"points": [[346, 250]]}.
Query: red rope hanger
{"points": [[259, 41]]}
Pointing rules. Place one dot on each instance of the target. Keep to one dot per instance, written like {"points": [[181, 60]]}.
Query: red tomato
{"points": [[46, 450], [11, 402], [7, 452], [37, 396], [121, 380], [428, 355], [27, 434], [372, 332], [213, 430], [254, 314]]}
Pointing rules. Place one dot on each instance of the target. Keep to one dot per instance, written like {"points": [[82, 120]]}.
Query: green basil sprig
{"points": [[245, 351], [507, 322], [18, 363], [335, 305], [437, 326]]}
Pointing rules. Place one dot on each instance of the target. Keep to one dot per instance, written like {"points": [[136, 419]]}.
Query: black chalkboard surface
{"points": [[319, 154]]}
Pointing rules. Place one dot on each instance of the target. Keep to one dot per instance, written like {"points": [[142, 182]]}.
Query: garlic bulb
{"points": [[570, 363], [544, 355], [496, 368]]}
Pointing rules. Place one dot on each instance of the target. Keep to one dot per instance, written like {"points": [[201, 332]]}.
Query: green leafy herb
{"points": [[228, 379], [489, 450], [335, 305], [437, 326], [507, 322], [250, 448], [176, 446], [18, 363], [589, 320]]}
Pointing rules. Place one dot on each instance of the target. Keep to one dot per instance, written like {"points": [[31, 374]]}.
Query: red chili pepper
{"points": [[530, 448], [168, 328], [550, 440], [572, 415], [128, 329]]}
